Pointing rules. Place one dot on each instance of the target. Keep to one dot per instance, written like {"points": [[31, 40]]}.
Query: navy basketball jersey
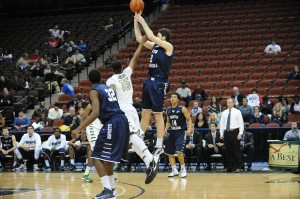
{"points": [[177, 118], [109, 105], [7, 143], [160, 63]]}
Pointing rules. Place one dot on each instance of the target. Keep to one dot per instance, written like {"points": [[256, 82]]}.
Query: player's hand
{"points": [[4, 153], [222, 138], [75, 133], [210, 146], [239, 137]]}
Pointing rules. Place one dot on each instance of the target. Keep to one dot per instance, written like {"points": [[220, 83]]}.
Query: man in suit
{"points": [[214, 145], [247, 147], [194, 146], [238, 97]]}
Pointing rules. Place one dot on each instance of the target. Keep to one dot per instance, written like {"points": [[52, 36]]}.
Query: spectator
{"points": [[278, 115], [294, 74], [37, 71], [285, 107], [215, 106], [199, 93], [36, 57], [247, 111], [137, 105], [7, 56], [293, 134], [3, 83], [24, 62], [196, 109], [213, 118], [42, 122], [81, 46], [247, 147], [29, 147], [110, 24], [2, 121], [118, 26], [77, 103], [201, 121], [53, 42], [109, 60], [45, 60], [6, 99], [27, 84], [68, 119], [51, 79], [55, 32], [238, 97], [257, 117], [254, 99], [67, 88], [267, 107], [214, 145], [185, 93], [55, 113], [56, 145], [272, 48], [37, 112], [77, 59], [295, 107], [21, 122], [16, 84], [194, 147]]}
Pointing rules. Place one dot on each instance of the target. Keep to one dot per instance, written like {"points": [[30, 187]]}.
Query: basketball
{"points": [[136, 6]]}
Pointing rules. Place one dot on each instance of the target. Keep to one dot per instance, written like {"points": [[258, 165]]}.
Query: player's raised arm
{"points": [[137, 53], [138, 35]]}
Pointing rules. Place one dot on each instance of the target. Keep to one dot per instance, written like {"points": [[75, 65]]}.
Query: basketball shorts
{"points": [[112, 141], [92, 132], [132, 117], [175, 142], [154, 94]]}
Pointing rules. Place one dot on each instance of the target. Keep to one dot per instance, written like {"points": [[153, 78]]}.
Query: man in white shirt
{"points": [[29, 147], [185, 93], [293, 134], [273, 48], [231, 129], [55, 113], [55, 145], [121, 83]]}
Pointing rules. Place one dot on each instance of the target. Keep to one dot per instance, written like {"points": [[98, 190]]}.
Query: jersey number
{"points": [[111, 95], [174, 123]]}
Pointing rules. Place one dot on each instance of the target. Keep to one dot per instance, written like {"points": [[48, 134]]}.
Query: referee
{"points": [[231, 129]]}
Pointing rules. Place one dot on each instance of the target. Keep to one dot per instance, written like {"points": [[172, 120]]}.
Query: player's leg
{"points": [[146, 114], [173, 165], [72, 158], [46, 155], [22, 166], [181, 161], [170, 151], [62, 155], [36, 155], [160, 130], [180, 141], [86, 176]]}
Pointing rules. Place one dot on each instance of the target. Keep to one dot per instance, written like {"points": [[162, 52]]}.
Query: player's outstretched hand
{"points": [[139, 18], [75, 133]]}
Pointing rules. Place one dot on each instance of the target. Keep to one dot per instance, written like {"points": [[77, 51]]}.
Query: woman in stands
{"points": [[199, 93], [214, 106], [278, 115], [201, 121], [283, 102], [213, 118]]}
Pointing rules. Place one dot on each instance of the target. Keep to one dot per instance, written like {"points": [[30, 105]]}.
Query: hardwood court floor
{"points": [[131, 185]]}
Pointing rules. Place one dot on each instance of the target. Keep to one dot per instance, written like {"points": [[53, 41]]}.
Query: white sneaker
{"points": [[21, 167], [183, 173], [36, 167], [114, 192], [158, 152], [173, 173]]}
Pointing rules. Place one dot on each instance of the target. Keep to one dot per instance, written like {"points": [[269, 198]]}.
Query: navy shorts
{"points": [[112, 142], [175, 142], [154, 94], [47, 152]]}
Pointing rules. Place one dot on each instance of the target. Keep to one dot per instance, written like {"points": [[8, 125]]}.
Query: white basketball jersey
{"points": [[124, 89]]}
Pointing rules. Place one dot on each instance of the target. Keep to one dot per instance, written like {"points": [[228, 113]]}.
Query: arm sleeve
{"points": [[241, 122], [222, 125], [22, 142], [285, 136]]}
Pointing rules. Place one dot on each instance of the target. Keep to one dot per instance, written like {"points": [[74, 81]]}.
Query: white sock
{"points": [[72, 161], [47, 163], [141, 154], [148, 155], [15, 163], [111, 181], [182, 167], [87, 170], [86, 161], [62, 162], [159, 143], [105, 182], [174, 168]]}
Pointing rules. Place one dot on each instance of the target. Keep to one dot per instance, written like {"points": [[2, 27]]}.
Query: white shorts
{"points": [[132, 117], [92, 132]]}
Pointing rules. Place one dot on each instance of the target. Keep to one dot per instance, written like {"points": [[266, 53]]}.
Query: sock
{"points": [[111, 181], [141, 154], [174, 168], [159, 143], [182, 167], [47, 163], [87, 170], [105, 182], [146, 161], [62, 162], [148, 154], [86, 161], [0, 164], [72, 161], [15, 163], [141, 146]]}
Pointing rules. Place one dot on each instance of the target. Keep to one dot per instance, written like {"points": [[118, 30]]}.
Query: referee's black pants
{"points": [[233, 153]]}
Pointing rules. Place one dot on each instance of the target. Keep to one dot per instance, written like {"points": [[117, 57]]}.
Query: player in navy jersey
{"points": [[113, 139], [177, 119], [156, 86]]}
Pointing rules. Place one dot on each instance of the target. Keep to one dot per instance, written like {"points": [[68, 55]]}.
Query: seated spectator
{"points": [[45, 60], [213, 118], [213, 145], [194, 147], [257, 117], [8, 146], [2, 121], [185, 93], [55, 113], [272, 48], [110, 24], [293, 134], [200, 121], [27, 85], [53, 42], [77, 59], [42, 122], [51, 79], [246, 110], [81, 46], [36, 57], [109, 60], [24, 62], [77, 103], [67, 88], [238, 97], [254, 99], [267, 107], [4, 83], [278, 115], [138, 105], [7, 56], [56, 145], [247, 147], [6, 99], [16, 84], [118, 26], [37, 112], [215, 106], [37, 71], [21, 122], [295, 107], [199, 93], [196, 109], [294, 74], [29, 147], [68, 119], [55, 32], [283, 102]]}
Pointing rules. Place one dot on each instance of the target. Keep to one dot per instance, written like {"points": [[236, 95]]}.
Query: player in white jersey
{"points": [[121, 83]]}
